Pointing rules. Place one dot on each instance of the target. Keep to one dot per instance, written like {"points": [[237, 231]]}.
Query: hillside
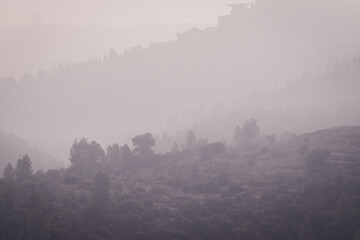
{"points": [[13, 147], [30, 49], [267, 164], [304, 187], [305, 104], [169, 85]]}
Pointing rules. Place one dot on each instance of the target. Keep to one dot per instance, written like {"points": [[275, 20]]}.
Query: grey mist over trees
{"points": [[291, 65], [68, 44], [37, 35]]}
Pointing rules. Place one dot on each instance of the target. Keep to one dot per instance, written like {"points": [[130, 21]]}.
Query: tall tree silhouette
{"points": [[246, 136], [9, 173], [143, 144], [85, 157], [23, 168]]}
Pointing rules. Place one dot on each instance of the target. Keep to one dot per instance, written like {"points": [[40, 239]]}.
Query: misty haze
{"points": [[180, 120]]}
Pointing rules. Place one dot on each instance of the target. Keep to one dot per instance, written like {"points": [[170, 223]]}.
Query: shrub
{"points": [[302, 149], [235, 188], [317, 157], [212, 149], [23, 169]]}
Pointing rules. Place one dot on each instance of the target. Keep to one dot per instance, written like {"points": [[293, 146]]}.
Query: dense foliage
{"points": [[270, 190]]}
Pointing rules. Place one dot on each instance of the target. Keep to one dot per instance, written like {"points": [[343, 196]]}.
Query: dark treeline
{"points": [[306, 187]]}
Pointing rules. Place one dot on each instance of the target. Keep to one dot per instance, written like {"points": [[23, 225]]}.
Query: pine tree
{"points": [[113, 153], [143, 144], [84, 157], [125, 152], [248, 135], [9, 172], [83, 152], [23, 168]]}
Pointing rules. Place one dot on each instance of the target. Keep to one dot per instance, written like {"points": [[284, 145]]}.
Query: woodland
{"points": [[248, 130], [302, 187]]}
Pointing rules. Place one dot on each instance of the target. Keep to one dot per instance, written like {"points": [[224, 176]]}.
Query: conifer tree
{"points": [[23, 168], [9, 172]]}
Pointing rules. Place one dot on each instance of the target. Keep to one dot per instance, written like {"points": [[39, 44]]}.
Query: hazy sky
{"points": [[112, 12]]}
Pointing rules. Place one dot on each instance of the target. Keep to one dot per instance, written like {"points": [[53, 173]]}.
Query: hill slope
{"points": [[265, 192], [169, 85], [13, 147]]}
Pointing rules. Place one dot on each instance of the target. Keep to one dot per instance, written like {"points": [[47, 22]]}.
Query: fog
{"points": [[28, 49], [73, 31], [169, 119], [110, 12], [292, 65]]}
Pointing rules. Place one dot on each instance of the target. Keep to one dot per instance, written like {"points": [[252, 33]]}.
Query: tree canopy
{"points": [[84, 152], [143, 144], [247, 135], [23, 168]]}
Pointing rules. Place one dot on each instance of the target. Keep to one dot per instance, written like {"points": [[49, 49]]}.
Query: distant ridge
{"points": [[13, 147]]}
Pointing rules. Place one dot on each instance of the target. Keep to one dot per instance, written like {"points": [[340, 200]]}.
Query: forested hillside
{"points": [[306, 187], [30, 49], [168, 86], [213, 135], [305, 104]]}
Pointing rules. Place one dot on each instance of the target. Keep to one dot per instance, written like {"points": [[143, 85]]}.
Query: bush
{"points": [[212, 149], [235, 188], [317, 157]]}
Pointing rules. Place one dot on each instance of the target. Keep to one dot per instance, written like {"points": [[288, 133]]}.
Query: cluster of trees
{"points": [[87, 158], [22, 171], [27, 209], [248, 135], [328, 212]]}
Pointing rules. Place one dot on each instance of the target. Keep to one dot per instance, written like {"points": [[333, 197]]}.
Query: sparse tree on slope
{"points": [[248, 135]]}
